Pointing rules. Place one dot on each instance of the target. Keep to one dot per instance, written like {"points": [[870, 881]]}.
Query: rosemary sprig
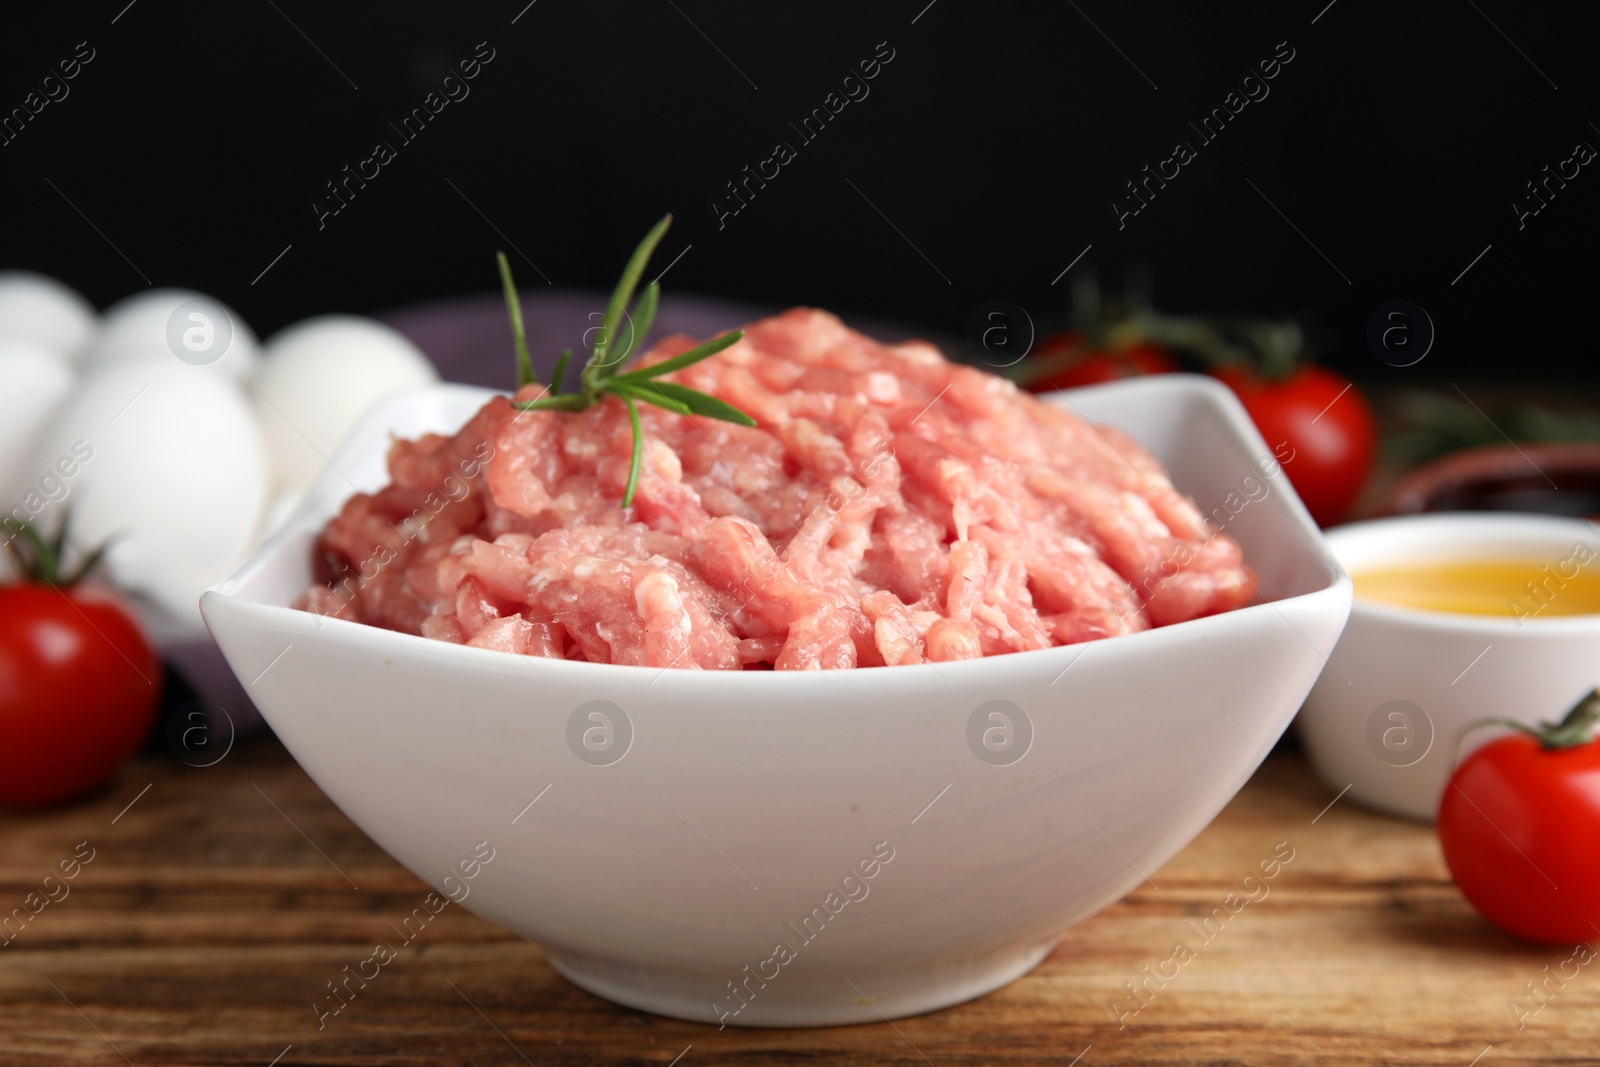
{"points": [[609, 352], [525, 375]]}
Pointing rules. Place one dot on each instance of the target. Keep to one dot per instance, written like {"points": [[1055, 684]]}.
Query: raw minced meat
{"points": [[889, 507]]}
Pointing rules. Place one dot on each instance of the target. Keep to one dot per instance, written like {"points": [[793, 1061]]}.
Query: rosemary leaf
{"points": [[594, 381], [525, 373], [643, 315], [638, 452], [643, 391], [700, 403], [678, 362], [561, 370], [599, 357], [568, 402]]}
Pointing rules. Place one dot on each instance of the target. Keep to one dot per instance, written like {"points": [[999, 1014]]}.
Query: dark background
{"points": [[995, 141]]}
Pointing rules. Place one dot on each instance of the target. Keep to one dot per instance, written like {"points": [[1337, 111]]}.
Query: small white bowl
{"points": [[662, 833], [1403, 683]]}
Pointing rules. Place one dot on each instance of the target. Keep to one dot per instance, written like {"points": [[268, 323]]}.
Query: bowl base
{"points": [[830, 998]]}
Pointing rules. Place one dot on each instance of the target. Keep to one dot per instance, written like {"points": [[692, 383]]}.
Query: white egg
{"points": [[169, 466], [42, 310], [33, 383], [317, 378], [178, 326]]}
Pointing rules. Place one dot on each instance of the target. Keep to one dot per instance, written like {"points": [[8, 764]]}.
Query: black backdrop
{"points": [[984, 158]]}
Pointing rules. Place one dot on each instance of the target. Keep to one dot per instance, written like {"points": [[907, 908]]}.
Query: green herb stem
{"points": [[638, 451], [525, 375], [689, 358], [598, 356], [594, 381], [40, 560], [560, 373]]}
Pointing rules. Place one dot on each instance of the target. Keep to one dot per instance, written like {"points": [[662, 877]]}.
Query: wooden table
{"points": [[212, 913]]}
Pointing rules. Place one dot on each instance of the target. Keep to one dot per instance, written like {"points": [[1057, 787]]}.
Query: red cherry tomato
{"points": [[1058, 344], [1518, 825], [1105, 365], [78, 691], [1321, 429]]}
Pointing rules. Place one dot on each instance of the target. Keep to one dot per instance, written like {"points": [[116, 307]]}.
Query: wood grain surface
{"points": [[218, 905]]}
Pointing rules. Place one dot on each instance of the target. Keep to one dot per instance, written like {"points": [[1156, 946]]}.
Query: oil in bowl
{"points": [[1458, 617], [1517, 589]]}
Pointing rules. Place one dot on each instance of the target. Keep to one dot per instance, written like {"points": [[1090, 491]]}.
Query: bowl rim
{"points": [[222, 598], [1411, 494], [1488, 521]]}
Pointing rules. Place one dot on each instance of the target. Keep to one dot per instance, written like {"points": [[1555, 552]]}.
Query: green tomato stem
{"points": [[1576, 727], [39, 560]]}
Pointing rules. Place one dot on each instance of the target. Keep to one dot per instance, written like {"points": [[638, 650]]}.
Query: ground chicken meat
{"points": [[889, 507]]}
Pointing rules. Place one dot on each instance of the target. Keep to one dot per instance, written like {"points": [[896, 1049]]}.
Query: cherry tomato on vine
{"points": [[1327, 426], [1519, 825], [78, 681], [1090, 366]]}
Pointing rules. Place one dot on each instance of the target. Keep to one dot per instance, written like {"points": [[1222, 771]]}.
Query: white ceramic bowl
{"points": [[1385, 717], [666, 879]]}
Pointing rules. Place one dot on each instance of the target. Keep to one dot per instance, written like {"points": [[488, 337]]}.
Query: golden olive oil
{"points": [[1519, 589]]}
